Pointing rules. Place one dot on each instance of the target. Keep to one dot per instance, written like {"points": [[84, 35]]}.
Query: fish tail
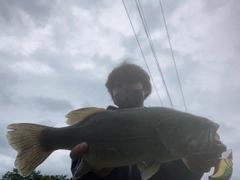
{"points": [[26, 140]]}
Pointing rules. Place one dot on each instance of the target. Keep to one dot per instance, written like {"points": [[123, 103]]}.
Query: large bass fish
{"points": [[143, 136]]}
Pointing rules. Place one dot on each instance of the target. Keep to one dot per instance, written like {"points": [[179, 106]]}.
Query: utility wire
{"points": [[170, 44], [141, 51], [141, 13]]}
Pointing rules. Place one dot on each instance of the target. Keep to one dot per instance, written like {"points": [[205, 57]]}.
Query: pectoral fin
{"points": [[148, 168], [82, 169]]}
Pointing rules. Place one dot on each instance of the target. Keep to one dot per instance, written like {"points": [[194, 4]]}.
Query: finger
{"points": [[78, 150]]}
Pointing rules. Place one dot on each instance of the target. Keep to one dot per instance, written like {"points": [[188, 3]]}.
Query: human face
{"points": [[128, 95], [120, 86]]}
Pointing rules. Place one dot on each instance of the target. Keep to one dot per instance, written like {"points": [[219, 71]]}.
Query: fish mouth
{"points": [[206, 141]]}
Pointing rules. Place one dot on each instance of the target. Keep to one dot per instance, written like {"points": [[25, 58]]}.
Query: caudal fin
{"points": [[25, 139]]}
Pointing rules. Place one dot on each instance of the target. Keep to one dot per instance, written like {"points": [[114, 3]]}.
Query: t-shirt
{"points": [[174, 170]]}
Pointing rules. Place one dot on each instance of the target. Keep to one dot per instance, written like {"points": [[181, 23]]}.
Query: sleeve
{"points": [[175, 170], [74, 165], [88, 176]]}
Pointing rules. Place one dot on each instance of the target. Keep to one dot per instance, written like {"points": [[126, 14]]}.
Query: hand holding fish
{"points": [[79, 150]]}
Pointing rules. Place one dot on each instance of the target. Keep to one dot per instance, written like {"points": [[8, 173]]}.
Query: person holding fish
{"points": [[129, 85], [131, 142]]}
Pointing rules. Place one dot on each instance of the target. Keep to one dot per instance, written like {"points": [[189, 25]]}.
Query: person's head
{"points": [[129, 85]]}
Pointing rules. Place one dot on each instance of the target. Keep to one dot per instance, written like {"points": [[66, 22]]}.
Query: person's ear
{"points": [[146, 91]]}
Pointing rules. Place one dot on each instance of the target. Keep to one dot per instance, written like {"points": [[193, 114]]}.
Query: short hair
{"points": [[128, 73]]}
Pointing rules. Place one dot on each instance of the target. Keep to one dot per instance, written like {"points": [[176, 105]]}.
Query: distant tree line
{"points": [[35, 175]]}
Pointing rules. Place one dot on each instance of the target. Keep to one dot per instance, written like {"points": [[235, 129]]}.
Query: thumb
{"points": [[78, 150]]}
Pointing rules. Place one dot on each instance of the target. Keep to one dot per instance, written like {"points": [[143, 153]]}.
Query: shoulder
{"points": [[112, 107]]}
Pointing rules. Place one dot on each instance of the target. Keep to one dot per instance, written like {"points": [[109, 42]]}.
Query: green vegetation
{"points": [[13, 175]]}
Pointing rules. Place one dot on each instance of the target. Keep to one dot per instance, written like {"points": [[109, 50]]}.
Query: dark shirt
{"points": [[174, 170]]}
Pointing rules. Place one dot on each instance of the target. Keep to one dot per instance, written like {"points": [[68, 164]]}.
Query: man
{"points": [[129, 85]]}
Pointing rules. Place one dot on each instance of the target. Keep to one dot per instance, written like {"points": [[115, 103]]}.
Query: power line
{"points": [[170, 44], [141, 51], [141, 13]]}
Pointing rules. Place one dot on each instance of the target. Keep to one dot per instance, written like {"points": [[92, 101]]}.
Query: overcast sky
{"points": [[55, 56]]}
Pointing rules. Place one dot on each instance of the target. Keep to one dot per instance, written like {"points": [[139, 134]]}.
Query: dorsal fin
{"points": [[78, 115]]}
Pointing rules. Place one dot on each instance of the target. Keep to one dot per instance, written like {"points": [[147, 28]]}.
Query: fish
{"points": [[146, 136]]}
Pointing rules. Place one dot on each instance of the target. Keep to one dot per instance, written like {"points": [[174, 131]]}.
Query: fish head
{"points": [[187, 135]]}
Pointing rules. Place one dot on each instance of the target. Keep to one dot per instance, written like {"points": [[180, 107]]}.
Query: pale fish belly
{"points": [[120, 152]]}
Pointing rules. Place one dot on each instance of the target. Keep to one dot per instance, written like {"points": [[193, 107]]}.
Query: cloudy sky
{"points": [[55, 56]]}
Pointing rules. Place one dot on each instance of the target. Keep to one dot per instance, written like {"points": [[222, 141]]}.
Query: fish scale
{"points": [[109, 153]]}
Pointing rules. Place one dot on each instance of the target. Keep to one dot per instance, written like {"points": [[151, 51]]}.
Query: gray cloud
{"points": [[211, 6], [50, 104], [7, 81], [4, 146], [5, 98], [72, 46], [226, 127], [92, 4], [229, 97], [153, 13], [130, 44], [4, 142], [56, 61], [39, 10]]}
